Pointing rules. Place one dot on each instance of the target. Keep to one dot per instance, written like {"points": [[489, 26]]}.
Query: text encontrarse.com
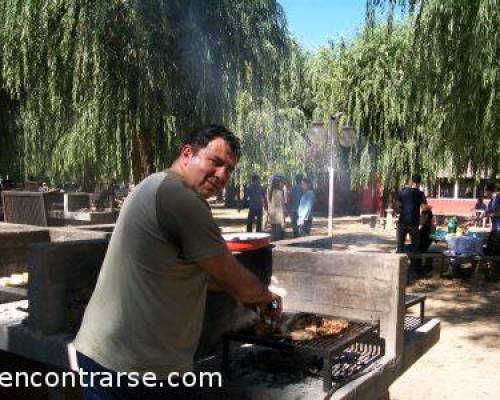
{"points": [[108, 379]]}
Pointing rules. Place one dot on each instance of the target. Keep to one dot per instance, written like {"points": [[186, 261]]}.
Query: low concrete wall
{"points": [[366, 286], [76, 201], [61, 280], [108, 228], [15, 240], [307, 242]]}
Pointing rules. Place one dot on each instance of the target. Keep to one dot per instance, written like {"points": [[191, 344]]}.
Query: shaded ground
{"points": [[465, 363]]}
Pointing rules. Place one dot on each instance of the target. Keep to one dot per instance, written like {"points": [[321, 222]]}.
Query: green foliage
{"points": [[370, 80], [92, 89], [106, 87], [456, 80], [273, 139], [273, 127]]}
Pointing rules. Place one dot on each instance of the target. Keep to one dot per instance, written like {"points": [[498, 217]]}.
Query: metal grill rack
{"points": [[328, 348]]}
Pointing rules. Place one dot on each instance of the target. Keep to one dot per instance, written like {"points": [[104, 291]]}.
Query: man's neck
{"points": [[176, 167]]}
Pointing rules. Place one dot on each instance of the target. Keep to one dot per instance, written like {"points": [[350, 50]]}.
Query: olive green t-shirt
{"points": [[147, 309]]}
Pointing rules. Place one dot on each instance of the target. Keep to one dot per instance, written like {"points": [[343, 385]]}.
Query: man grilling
{"points": [[147, 309]]}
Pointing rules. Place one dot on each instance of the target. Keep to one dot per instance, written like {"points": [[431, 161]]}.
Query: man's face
{"points": [[209, 170], [488, 194], [304, 186]]}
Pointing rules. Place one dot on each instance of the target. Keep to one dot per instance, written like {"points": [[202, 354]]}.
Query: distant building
{"points": [[450, 196]]}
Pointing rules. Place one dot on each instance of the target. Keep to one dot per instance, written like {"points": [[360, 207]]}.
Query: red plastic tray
{"points": [[246, 241]]}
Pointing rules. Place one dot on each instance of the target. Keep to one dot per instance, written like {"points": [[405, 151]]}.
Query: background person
{"points": [[276, 209], [294, 202], [479, 210], [480, 205], [425, 231], [410, 199], [256, 199], [425, 241], [493, 212], [306, 207]]}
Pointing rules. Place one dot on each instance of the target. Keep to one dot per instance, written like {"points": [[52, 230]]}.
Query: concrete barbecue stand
{"points": [[366, 286]]}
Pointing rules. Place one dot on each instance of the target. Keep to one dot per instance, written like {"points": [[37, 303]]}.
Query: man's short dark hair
{"points": [[201, 137], [490, 187], [255, 178], [416, 179], [298, 178]]}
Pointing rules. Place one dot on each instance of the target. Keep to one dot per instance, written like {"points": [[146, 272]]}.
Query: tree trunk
{"points": [[142, 157]]}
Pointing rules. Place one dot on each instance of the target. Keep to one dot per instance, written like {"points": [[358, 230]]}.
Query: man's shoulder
{"points": [[404, 192], [416, 192], [411, 194], [174, 189]]}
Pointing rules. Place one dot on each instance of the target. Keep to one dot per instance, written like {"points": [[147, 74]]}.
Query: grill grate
{"points": [[411, 323], [329, 348], [356, 360], [328, 343]]}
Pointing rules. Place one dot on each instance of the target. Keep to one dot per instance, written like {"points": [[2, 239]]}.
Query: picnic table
{"points": [[458, 251]]}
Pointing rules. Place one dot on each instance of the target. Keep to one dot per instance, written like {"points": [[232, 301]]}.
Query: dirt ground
{"points": [[465, 363]]}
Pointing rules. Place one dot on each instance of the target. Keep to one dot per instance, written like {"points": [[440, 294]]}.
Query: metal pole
{"points": [[332, 131], [330, 201]]}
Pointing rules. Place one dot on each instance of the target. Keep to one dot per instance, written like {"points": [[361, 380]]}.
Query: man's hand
{"points": [[273, 309], [213, 286]]}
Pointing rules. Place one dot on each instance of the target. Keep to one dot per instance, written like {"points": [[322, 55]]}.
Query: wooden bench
{"points": [[479, 263], [414, 299], [483, 263], [437, 267]]}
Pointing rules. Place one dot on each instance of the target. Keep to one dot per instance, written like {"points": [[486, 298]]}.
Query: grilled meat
{"points": [[303, 326]]}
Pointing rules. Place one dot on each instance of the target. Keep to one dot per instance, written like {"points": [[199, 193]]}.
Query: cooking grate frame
{"points": [[329, 348]]}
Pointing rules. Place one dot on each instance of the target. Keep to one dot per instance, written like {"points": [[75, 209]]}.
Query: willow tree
{"points": [[456, 54], [273, 125], [105, 87], [370, 80], [9, 145]]}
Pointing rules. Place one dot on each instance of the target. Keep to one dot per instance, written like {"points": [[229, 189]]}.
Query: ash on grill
{"points": [[336, 358], [255, 365]]}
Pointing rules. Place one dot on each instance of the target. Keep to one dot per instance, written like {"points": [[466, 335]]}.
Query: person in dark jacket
{"points": [[425, 241], [255, 197], [410, 200], [425, 228]]}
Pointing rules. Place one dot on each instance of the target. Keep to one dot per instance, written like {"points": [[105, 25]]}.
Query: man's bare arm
{"points": [[228, 274], [213, 286]]}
